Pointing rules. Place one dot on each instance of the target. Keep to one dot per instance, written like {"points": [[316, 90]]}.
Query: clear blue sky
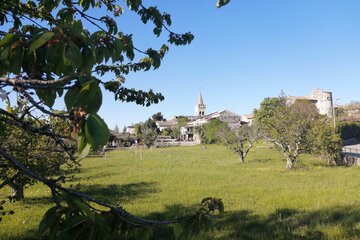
{"points": [[244, 52]]}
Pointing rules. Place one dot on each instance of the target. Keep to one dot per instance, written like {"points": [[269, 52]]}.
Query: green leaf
{"points": [[73, 55], [16, 58], [143, 233], [8, 39], [39, 41], [88, 59], [118, 46], [48, 96], [84, 152], [85, 4], [81, 142], [70, 97], [96, 131], [74, 222], [66, 60], [49, 217], [178, 230], [77, 28], [89, 97], [221, 3], [77, 235], [84, 209]]}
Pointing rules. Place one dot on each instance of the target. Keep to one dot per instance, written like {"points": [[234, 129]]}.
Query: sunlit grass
{"points": [[262, 199]]}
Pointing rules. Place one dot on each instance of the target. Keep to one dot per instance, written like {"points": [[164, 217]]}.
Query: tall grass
{"points": [[263, 200]]}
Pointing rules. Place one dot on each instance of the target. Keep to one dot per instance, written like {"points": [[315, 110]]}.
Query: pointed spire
{"points": [[200, 100], [200, 107]]}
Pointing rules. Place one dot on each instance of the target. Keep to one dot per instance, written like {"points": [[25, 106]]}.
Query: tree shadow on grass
{"points": [[291, 224], [285, 224], [170, 212], [114, 193], [75, 179]]}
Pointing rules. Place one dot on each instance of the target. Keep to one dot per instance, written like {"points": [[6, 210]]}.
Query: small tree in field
{"points": [[241, 140]]}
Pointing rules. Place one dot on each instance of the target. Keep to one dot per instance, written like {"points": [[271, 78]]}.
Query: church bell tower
{"points": [[200, 107]]}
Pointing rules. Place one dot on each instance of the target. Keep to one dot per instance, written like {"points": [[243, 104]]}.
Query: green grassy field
{"points": [[262, 199]]}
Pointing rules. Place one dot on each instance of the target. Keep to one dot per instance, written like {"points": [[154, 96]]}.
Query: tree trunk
{"points": [[17, 191], [289, 163], [241, 158]]}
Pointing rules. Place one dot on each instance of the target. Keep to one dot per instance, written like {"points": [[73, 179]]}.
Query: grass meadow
{"points": [[262, 199]]}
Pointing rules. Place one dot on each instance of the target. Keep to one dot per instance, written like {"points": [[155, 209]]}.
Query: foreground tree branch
{"points": [[56, 57]]}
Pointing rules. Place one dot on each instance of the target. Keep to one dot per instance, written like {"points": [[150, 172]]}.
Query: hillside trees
{"points": [[59, 49]]}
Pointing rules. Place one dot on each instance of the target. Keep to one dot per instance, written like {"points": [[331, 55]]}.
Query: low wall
{"points": [[175, 143]]}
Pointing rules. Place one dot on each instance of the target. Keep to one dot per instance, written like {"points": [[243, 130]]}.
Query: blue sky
{"points": [[245, 52]]}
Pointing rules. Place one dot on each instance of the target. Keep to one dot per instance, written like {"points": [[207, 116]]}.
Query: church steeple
{"points": [[200, 107], [200, 100]]}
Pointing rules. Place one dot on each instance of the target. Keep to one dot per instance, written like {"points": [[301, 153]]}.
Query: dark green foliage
{"points": [[158, 117], [181, 122], [42, 154], [325, 142], [266, 111], [210, 131], [149, 133], [349, 130], [64, 54], [74, 218]]}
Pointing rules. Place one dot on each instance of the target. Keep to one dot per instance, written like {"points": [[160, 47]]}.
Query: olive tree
{"points": [[240, 140], [287, 125]]}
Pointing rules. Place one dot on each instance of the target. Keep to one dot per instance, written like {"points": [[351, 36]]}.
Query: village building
{"points": [[189, 133], [162, 125], [247, 119], [130, 130], [120, 140], [200, 107], [323, 101]]}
